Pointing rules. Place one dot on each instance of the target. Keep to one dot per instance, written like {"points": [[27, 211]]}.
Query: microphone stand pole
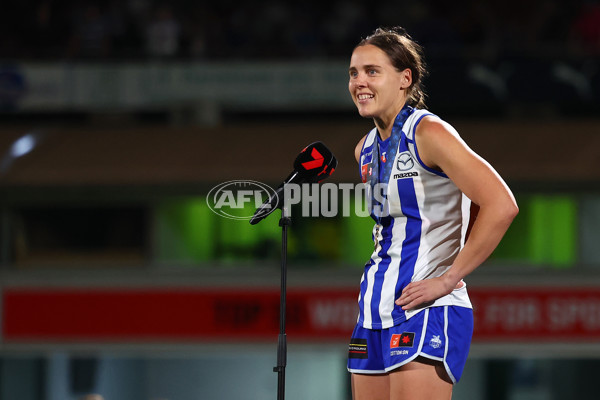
{"points": [[284, 222]]}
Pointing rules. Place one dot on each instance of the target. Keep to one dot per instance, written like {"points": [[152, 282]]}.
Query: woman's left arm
{"points": [[441, 147]]}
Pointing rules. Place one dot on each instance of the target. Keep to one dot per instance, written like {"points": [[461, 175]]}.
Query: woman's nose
{"points": [[359, 81]]}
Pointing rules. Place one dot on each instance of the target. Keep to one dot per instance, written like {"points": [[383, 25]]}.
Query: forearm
{"points": [[490, 226]]}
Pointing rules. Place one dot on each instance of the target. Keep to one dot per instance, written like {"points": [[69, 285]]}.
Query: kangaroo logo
{"points": [[435, 341]]}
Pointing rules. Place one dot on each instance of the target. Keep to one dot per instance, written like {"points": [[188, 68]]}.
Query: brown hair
{"points": [[404, 53]]}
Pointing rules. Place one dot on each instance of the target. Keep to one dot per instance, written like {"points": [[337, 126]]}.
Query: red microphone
{"points": [[314, 164]]}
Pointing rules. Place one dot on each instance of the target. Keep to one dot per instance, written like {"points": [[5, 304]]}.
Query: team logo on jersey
{"points": [[383, 159], [435, 341], [405, 161], [358, 348], [405, 339], [364, 172]]}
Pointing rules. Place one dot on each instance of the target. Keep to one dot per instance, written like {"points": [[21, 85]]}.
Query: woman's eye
{"points": [[372, 72]]}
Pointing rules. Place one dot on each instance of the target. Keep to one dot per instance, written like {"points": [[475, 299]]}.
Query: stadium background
{"points": [[117, 118]]}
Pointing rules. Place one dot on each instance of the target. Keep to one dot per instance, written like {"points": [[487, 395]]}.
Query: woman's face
{"points": [[375, 84]]}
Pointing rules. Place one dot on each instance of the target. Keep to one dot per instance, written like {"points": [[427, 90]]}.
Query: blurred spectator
{"points": [[163, 33], [305, 38], [344, 24], [46, 33], [131, 29], [194, 33], [586, 27], [432, 27], [124, 28], [91, 36]]}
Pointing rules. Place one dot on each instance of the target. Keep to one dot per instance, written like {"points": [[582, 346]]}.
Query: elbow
{"points": [[511, 210], [504, 211]]}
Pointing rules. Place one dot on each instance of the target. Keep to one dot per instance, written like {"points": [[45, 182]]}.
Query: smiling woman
{"points": [[412, 286], [375, 65]]}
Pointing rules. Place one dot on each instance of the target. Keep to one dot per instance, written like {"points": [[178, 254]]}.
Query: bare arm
{"points": [[441, 147], [358, 148]]}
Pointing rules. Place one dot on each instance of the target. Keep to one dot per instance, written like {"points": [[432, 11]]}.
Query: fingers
{"points": [[416, 294], [411, 296], [411, 303]]}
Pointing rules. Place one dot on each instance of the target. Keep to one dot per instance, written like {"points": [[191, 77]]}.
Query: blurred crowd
{"points": [[229, 30]]}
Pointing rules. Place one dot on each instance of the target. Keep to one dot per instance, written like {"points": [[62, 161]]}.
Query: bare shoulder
{"points": [[358, 148], [436, 128], [436, 140]]}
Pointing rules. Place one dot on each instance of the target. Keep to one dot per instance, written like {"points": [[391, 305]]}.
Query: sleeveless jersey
{"points": [[421, 236]]}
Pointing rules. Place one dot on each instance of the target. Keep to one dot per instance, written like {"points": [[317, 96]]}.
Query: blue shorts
{"points": [[439, 333]]}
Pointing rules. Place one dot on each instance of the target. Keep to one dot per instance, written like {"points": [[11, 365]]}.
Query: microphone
{"points": [[314, 164]]}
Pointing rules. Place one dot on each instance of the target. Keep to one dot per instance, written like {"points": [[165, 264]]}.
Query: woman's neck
{"points": [[384, 127], [385, 123]]}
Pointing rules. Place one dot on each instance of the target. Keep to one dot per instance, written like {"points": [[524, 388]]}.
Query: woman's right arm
{"points": [[358, 148]]}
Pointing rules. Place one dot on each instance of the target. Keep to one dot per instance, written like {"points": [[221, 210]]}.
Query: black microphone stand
{"points": [[284, 222], [308, 168], [278, 201]]}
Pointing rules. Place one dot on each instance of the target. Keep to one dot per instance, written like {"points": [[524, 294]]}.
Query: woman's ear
{"points": [[406, 78]]}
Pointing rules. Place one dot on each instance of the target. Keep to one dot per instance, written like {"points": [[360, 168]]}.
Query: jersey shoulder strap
{"points": [[412, 121]]}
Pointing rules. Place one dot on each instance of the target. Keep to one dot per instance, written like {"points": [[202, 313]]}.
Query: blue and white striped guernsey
{"points": [[421, 236]]}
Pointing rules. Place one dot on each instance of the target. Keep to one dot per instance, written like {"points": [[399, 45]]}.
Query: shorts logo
{"points": [[435, 341], [358, 348], [406, 339]]}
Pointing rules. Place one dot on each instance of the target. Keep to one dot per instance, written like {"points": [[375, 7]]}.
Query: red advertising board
{"points": [[537, 314], [191, 314]]}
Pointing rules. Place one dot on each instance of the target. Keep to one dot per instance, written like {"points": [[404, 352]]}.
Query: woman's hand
{"points": [[426, 291]]}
